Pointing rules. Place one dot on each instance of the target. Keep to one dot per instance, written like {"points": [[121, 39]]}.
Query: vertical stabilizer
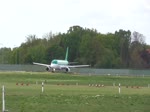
{"points": [[66, 58]]}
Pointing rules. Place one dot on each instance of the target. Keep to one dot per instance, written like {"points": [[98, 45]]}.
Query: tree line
{"points": [[122, 49]]}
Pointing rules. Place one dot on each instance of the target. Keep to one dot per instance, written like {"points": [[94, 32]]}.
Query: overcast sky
{"points": [[20, 18]]}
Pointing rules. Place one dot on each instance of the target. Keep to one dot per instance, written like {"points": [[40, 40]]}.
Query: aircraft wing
{"points": [[78, 66], [41, 64], [67, 67]]}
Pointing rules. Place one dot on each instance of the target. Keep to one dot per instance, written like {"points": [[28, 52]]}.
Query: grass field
{"points": [[72, 93]]}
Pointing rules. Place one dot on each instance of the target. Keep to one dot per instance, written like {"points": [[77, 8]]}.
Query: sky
{"points": [[20, 18]]}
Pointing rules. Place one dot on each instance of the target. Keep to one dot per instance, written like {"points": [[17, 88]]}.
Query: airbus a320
{"points": [[57, 64]]}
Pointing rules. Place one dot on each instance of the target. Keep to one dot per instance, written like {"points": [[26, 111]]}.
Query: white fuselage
{"points": [[58, 64]]}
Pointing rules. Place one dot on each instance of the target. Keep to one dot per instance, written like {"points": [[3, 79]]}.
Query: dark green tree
{"points": [[124, 39]]}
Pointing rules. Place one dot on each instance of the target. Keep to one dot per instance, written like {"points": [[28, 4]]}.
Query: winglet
{"points": [[66, 58]]}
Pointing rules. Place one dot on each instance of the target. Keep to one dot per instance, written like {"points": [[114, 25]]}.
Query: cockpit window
{"points": [[54, 62]]}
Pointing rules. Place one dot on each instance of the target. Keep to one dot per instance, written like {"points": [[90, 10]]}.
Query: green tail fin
{"points": [[66, 58]]}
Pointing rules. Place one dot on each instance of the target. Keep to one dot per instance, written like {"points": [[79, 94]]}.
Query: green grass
{"points": [[71, 93]]}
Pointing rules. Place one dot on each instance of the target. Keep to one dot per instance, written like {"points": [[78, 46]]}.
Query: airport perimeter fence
{"points": [[83, 71]]}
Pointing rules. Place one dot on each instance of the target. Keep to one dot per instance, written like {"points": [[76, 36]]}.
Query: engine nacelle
{"points": [[67, 69], [48, 69]]}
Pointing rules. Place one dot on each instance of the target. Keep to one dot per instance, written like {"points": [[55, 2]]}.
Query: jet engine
{"points": [[48, 69], [67, 69]]}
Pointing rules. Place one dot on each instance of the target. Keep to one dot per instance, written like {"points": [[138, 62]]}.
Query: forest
{"points": [[121, 49]]}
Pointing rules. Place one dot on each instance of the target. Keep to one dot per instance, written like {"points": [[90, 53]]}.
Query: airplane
{"points": [[60, 64]]}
